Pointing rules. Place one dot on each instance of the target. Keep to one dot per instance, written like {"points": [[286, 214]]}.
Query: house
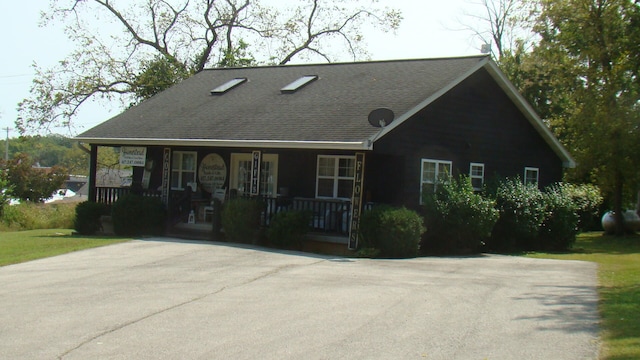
{"points": [[307, 136]]}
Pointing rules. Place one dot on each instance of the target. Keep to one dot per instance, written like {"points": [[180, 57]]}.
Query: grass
{"points": [[21, 246], [618, 262]]}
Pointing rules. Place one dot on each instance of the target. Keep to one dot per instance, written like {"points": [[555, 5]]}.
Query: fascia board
{"points": [[530, 113], [263, 144]]}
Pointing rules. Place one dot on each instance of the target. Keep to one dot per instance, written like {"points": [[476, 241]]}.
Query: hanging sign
{"points": [[255, 172], [166, 175], [133, 155], [212, 173], [356, 201]]}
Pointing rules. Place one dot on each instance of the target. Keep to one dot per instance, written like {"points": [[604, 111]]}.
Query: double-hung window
{"points": [[476, 174], [183, 169], [335, 176], [240, 178], [433, 172], [531, 175]]}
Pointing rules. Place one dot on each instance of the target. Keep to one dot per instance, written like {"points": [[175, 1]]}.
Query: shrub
{"points": [[369, 229], [155, 216], [87, 219], [241, 219], [30, 216], [396, 232], [587, 200], [458, 220], [560, 225], [134, 215], [522, 211], [288, 228]]}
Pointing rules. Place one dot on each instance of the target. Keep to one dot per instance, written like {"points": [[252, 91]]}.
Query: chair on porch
{"points": [[219, 194]]}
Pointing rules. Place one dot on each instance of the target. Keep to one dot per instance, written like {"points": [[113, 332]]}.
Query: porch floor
{"points": [[316, 242]]}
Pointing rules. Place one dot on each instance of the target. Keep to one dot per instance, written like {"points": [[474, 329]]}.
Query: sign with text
{"points": [[256, 157], [212, 173], [166, 175], [356, 201], [133, 155]]}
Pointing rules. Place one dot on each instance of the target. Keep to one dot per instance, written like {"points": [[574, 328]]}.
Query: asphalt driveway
{"points": [[170, 299]]}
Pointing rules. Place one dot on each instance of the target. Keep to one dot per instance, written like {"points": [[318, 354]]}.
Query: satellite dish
{"points": [[381, 117]]}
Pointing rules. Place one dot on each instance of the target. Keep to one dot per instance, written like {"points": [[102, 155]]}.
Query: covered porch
{"points": [[330, 218]]}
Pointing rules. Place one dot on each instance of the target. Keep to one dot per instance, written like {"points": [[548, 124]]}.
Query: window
{"points": [[476, 173], [531, 175], [227, 86], [183, 169], [301, 82], [433, 171], [335, 176], [240, 178]]}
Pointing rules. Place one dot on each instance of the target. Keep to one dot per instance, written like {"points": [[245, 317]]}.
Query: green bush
{"points": [[288, 228], [369, 229], [560, 225], [396, 232], [134, 215], [31, 216], [587, 200], [458, 220], [87, 220], [522, 210], [155, 215], [241, 219]]}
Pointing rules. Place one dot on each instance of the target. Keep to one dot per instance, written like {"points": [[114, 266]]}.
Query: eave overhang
{"points": [[261, 144]]}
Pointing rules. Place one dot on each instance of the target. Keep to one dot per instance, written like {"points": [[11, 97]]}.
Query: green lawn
{"points": [[618, 262], [21, 246]]}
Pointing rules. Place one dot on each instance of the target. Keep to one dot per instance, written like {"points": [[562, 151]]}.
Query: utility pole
{"points": [[6, 144]]}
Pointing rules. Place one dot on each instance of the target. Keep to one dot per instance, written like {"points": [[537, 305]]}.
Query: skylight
{"points": [[296, 85], [227, 86]]}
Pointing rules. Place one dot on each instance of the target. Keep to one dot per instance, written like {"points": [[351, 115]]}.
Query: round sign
{"points": [[212, 173]]}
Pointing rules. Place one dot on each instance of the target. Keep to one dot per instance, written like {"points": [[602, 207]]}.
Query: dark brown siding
{"points": [[474, 122]]}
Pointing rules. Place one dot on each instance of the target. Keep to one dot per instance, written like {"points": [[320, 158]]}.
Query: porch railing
{"points": [[109, 195], [327, 215]]}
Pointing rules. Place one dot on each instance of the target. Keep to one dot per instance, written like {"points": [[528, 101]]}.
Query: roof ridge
{"points": [[360, 62]]}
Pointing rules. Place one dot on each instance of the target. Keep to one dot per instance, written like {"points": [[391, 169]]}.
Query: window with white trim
{"points": [[240, 177], [531, 175], [183, 169], [335, 176], [433, 171], [476, 174]]}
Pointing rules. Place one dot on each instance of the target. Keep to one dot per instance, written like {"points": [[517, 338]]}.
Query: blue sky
{"points": [[428, 30]]}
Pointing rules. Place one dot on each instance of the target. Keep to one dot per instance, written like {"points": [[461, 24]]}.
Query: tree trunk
{"points": [[617, 204]]}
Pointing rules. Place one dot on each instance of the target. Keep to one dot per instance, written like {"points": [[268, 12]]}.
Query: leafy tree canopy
{"points": [[29, 183], [582, 76], [156, 43]]}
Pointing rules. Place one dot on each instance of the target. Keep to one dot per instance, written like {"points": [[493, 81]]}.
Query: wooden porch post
{"points": [[356, 201], [93, 165]]}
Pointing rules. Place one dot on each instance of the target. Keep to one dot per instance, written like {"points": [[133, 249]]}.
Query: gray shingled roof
{"points": [[334, 108]]}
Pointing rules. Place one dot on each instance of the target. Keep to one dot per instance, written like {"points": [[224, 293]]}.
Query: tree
{"points": [[29, 183], [5, 190], [593, 45], [157, 43], [503, 25]]}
